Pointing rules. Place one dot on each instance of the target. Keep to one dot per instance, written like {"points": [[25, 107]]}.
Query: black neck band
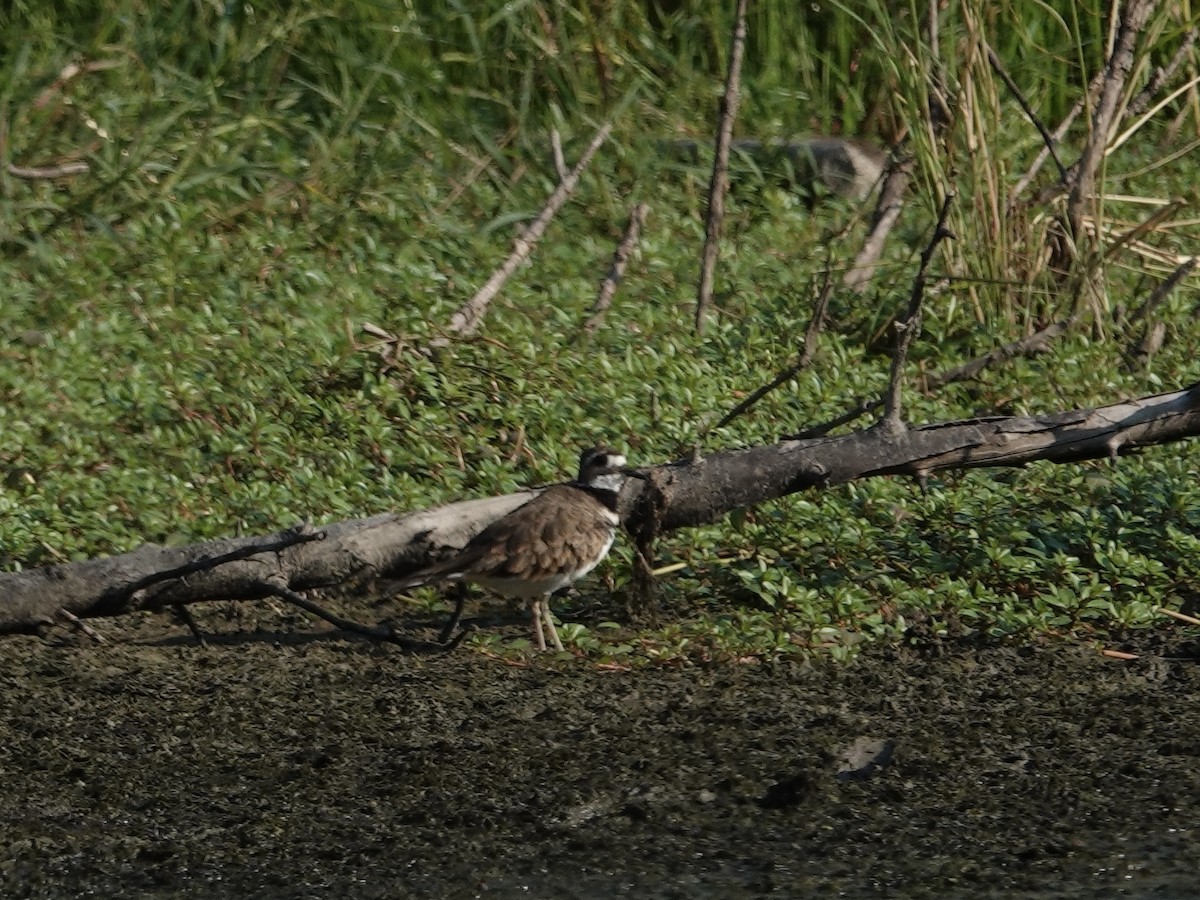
{"points": [[606, 497]]}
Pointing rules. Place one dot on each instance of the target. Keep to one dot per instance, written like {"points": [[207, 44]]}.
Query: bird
{"points": [[543, 545]]}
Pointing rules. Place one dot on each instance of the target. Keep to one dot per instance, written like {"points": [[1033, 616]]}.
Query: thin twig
{"points": [[608, 287], [465, 322], [907, 329], [556, 152], [190, 621], [1047, 138], [1161, 76], [862, 407], [383, 633], [802, 362], [719, 185], [34, 173], [300, 534], [1160, 293], [1147, 225], [1033, 342], [1139, 351], [1057, 135], [82, 625]]}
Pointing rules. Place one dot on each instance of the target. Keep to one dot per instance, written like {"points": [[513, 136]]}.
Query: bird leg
{"points": [[543, 624], [460, 601], [548, 621], [535, 607]]}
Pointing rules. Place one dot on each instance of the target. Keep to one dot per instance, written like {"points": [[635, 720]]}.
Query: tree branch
{"points": [[910, 325], [1048, 140], [719, 185], [802, 362], [608, 287], [1082, 177], [887, 212], [465, 322]]}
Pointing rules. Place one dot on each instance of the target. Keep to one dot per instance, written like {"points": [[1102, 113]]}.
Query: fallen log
{"points": [[351, 555]]}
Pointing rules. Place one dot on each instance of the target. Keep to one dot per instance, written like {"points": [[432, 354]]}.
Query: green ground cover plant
{"points": [[182, 350]]}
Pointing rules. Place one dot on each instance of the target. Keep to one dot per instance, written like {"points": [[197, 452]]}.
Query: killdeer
{"points": [[544, 545]]}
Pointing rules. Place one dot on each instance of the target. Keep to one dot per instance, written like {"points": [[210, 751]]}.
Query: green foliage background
{"points": [[182, 354]]}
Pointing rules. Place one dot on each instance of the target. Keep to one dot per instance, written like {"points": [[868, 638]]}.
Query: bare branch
{"points": [[1160, 293], [1057, 135], [34, 173], [1030, 344], [1047, 138], [1161, 76], [816, 323], [465, 322], [1146, 226], [908, 327], [1134, 16], [887, 213], [719, 185], [608, 287], [1150, 341]]}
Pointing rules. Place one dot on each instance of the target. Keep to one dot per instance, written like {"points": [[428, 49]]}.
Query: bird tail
{"points": [[446, 570]]}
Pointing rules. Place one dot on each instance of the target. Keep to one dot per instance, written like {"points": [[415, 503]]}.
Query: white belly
{"points": [[539, 587]]}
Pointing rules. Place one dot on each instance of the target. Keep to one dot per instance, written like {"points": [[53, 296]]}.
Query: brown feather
{"points": [[544, 545], [563, 528]]}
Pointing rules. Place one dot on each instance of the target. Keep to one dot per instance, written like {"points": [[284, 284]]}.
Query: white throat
{"points": [[613, 481]]}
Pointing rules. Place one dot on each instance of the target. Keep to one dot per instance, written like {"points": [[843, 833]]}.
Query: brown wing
{"points": [[465, 559], [562, 529], [447, 568]]}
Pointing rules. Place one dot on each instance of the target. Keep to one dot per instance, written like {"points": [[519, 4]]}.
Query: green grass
{"points": [[181, 353]]}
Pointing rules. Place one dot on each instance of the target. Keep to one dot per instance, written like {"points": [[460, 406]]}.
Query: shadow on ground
{"points": [[318, 768]]}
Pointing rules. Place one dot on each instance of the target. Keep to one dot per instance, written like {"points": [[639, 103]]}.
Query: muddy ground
{"points": [[284, 763]]}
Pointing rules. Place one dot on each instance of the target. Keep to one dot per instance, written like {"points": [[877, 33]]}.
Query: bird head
{"points": [[601, 468]]}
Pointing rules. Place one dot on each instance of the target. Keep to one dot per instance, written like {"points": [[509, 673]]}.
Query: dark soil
{"points": [[285, 765]]}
